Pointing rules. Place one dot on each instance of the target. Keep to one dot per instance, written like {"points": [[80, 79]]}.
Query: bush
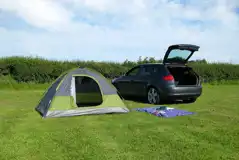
{"points": [[38, 70]]}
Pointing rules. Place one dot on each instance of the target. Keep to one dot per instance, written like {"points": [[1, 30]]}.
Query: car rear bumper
{"points": [[183, 92]]}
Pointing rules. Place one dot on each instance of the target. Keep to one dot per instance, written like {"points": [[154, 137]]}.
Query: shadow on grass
{"points": [[143, 100]]}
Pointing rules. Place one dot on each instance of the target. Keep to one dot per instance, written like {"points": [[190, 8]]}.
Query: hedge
{"points": [[38, 70]]}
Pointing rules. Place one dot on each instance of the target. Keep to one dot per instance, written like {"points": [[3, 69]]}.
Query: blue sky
{"points": [[115, 30]]}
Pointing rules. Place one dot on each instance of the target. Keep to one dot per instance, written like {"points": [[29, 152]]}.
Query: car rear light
{"points": [[168, 78]]}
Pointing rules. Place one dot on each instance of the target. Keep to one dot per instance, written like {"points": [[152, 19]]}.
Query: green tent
{"points": [[80, 91]]}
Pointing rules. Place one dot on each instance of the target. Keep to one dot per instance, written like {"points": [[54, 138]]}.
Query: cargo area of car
{"points": [[184, 76]]}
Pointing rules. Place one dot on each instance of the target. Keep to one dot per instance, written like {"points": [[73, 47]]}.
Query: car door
{"points": [[139, 82], [124, 85]]}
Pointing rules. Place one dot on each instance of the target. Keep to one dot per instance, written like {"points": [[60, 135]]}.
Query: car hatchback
{"points": [[171, 80]]}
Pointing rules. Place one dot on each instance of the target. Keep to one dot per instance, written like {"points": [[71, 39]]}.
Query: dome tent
{"points": [[80, 91]]}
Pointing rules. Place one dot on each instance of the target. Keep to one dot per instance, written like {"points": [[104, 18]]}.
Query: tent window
{"points": [[87, 92]]}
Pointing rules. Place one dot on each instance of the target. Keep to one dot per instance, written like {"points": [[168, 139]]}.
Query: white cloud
{"points": [[40, 13], [147, 28]]}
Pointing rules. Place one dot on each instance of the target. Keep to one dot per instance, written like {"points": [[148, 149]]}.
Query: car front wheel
{"points": [[153, 96]]}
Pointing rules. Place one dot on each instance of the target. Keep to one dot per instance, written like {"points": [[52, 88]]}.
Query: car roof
{"points": [[151, 64], [159, 64]]}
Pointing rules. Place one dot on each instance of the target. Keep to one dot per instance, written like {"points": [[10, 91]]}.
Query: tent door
{"points": [[73, 89]]}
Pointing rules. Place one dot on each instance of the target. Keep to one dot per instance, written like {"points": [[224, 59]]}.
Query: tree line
{"points": [[39, 70]]}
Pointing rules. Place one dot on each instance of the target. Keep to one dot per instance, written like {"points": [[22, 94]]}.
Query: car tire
{"points": [[153, 96]]}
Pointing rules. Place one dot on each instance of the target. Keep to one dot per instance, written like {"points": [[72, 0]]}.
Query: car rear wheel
{"points": [[153, 96]]}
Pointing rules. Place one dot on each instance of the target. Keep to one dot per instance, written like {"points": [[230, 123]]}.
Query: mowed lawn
{"points": [[213, 133]]}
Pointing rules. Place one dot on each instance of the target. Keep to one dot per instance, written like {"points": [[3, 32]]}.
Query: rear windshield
{"points": [[177, 54]]}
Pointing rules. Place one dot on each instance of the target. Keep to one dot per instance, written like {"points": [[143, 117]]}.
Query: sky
{"points": [[116, 30]]}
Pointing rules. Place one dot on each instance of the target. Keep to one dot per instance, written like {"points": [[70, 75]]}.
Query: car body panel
{"points": [[131, 85], [184, 90]]}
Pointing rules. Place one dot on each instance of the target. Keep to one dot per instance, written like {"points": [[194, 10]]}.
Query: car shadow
{"points": [[142, 100]]}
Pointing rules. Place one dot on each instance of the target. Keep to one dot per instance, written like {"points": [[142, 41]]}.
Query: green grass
{"points": [[213, 133], [7, 82]]}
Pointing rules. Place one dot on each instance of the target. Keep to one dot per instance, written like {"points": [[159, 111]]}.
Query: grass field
{"points": [[213, 133]]}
